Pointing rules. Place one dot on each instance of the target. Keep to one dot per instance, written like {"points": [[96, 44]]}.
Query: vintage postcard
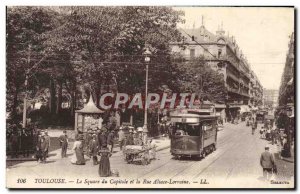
{"points": [[150, 97]]}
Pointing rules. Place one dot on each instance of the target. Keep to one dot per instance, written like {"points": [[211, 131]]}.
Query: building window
{"points": [[219, 53], [192, 53]]}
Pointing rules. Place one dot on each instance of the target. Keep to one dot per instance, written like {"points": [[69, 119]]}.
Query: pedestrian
{"points": [[261, 131], [253, 128], [102, 138], [285, 152], [78, 149], [139, 139], [110, 141], [121, 135], [36, 139], [63, 139], [88, 138], [104, 164], [48, 140], [129, 139], [267, 163], [268, 134], [273, 136], [43, 146], [93, 148]]}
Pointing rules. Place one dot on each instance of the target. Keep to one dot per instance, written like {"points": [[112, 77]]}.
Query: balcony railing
{"points": [[232, 76]]}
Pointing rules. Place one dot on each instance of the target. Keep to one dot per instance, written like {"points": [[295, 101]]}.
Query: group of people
{"points": [[26, 141], [134, 136], [97, 142]]}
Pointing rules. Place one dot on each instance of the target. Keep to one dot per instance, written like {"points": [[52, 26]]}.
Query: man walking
{"points": [[121, 135], [47, 138], [267, 163], [93, 148], [110, 141], [43, 147], [63, 139], [102, 138]]}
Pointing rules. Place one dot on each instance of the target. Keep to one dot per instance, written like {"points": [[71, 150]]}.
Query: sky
{"points": [[262, 34]]}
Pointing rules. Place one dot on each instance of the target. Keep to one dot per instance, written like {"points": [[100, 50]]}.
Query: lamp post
{"points": [[147, 54]]}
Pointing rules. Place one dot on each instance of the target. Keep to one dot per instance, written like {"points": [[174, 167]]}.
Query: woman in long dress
{"points": [[104, 164], [78, 149]]}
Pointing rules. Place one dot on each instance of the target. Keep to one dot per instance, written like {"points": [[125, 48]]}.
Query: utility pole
{"points": [[26, 83]]}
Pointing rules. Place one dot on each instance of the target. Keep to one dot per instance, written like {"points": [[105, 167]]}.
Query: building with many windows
{"points": [[270, 98], [223, 54]]}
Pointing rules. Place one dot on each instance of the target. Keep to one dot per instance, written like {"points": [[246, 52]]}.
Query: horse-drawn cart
{"points": [[143, 154]]}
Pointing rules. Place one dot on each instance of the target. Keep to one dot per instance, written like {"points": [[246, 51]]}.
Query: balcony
{"points": [[231, 75], [245, 94], [233, 90]]}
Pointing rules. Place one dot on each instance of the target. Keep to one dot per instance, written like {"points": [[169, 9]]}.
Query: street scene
{"points": [[150, 97]]}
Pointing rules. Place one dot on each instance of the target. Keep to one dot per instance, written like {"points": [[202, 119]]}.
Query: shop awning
{"points": [[245, 108], [220, 106], [234, 106], [90, 108]]}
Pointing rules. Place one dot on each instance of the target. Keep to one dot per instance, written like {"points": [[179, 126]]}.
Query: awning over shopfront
{"points": [[245, 108], [220, 106]]}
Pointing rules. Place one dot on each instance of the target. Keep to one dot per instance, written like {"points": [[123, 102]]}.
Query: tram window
{"points": [[181, 129], [207, 127]]}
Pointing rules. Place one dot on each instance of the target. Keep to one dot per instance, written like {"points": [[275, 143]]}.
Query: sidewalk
{"points": [[161, 143], [285, 168]]}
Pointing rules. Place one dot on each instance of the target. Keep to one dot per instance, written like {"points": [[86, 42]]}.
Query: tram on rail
{"points": [[194, 132]]}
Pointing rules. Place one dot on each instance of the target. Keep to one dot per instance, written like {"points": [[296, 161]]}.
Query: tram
{"points": [[194, 133]]}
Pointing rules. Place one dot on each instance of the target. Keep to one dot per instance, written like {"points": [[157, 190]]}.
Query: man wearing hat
{"points": [[267, 163], [63, 139], [110, 140], [93, 148], [121, 135], [139, 139], [102, 138], [47, 138], [43, 147], [130, 140]]}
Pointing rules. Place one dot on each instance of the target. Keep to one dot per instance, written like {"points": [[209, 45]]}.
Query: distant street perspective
{"points": [[150, 97]]}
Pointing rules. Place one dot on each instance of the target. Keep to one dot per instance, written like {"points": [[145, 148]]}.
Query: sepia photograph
{"points": [[150, 97]]}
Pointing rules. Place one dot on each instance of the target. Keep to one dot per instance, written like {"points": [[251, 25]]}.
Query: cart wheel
{"points": [[129, 159], [214, 147], [144, 161]]}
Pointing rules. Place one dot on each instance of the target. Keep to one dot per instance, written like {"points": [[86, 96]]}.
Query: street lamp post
{"points": [[147, 54]]}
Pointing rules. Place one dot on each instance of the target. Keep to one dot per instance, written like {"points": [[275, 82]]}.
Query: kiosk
{"points": [[89, 117]]}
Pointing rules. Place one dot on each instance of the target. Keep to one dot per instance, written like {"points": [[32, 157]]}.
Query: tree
{"points": [[25, 50], [203, 80]]}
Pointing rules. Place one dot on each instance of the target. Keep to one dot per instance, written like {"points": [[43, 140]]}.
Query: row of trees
{"points": [[69, 52]]}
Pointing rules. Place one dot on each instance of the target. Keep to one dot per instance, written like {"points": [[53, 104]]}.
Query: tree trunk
{"points": [[73, 99], [15, 102], [59, 98], [52, 97]]}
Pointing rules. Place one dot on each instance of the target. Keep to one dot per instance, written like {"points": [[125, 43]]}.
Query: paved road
{"points": [[235, 163]]}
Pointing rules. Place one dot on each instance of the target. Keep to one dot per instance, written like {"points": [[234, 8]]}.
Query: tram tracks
{"points": [[174, 168]]}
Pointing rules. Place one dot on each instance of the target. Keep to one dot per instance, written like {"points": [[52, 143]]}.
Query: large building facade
{"points": [[270, 98], [222, 53]]}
